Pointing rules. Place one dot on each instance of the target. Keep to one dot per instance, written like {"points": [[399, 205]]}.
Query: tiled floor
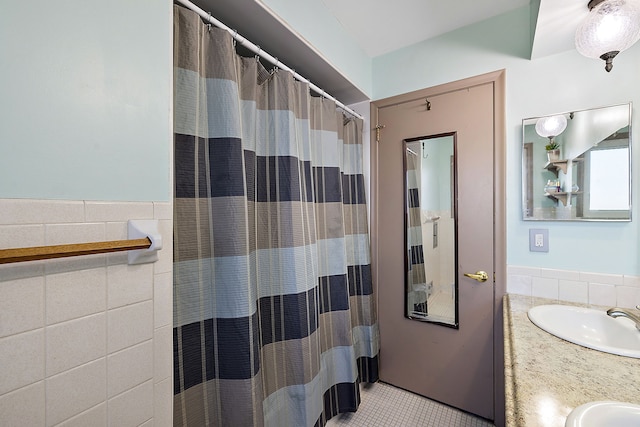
{"points": [[386, 406], [441, 307]]}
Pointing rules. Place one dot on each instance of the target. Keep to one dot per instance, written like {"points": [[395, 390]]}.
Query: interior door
{"points": [[453, 366]]}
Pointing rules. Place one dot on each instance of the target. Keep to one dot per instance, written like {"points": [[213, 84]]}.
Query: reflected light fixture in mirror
{"points": [[552, 126], [610, 27]]}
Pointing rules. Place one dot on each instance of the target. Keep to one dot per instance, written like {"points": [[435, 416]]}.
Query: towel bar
{"points": [[62, 251]]}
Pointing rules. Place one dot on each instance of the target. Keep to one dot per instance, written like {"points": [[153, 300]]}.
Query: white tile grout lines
{"points": [[384, 405]]}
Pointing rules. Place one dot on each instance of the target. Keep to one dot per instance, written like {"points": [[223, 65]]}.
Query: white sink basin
{"points": [[588, 328], [605, 413]]}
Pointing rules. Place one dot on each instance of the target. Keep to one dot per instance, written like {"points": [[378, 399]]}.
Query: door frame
{"points": [[498, 79]]}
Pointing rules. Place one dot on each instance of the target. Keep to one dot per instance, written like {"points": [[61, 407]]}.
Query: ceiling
{"points": [[382, 26], [556, 27]]}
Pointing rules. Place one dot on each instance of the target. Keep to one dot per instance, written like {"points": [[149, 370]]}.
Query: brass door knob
{"points": [[480, 276]]}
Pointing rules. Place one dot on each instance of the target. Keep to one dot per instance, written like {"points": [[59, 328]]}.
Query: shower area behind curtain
{"points": [[274, 313], [417, 289]]}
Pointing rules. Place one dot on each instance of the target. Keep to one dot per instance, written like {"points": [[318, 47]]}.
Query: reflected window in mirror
{"points": [[587, 177], [431, 289], [607, 190]]}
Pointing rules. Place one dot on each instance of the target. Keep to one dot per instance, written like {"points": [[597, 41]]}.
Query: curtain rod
{"points": [[258, 51]]}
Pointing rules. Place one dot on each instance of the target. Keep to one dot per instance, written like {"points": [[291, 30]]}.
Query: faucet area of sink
{"points": [[613, 333]]}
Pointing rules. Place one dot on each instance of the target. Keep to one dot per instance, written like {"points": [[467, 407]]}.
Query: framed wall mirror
{"points": [[431, 285], [576, 166]]}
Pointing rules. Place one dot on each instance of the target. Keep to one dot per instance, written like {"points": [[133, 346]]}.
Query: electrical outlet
{"points": [[538, 240]]}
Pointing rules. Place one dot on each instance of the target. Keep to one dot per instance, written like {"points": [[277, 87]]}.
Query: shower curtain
{"points": [[417, 291], [274, 313]]}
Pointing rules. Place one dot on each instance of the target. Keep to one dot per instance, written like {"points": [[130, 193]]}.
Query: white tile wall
{"points": [[627, 296], [21, 305], [163, 355], [124, 211], [602, 294], [163, 402], [633, 281], [129, 284], [75, 390], [25, 211], [133, 407], [73, 265], [22, 360], [545, 287], [84, 341], [573, 291], [94, 417], [23, 407], [61, 234], [130, 325], [73, 343], [573, 286], [28, 235], [162, 298], [130, 367], [75, 294]]}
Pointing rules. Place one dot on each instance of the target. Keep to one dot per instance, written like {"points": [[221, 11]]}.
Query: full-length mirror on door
{"points": [[576, 166], [431, 289]]}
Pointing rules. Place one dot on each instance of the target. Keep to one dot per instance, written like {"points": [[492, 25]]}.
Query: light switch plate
{"points": [[539, 240]]}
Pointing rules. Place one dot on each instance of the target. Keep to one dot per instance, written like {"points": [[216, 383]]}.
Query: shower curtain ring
{"points": [[258, 53], [275, 68], [209, 22], [235, 35]]}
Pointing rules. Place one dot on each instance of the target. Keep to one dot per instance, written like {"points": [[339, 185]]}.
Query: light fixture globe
{"points": [[551, 126], [611, 27]]}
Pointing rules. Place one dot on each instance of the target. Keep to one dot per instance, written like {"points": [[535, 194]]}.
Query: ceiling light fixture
{"points": [[611, 27], [552, 126]]}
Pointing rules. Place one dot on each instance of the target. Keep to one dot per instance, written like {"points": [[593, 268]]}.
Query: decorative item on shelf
{"points": [[610, 27], [549, 188], [553, 151], [552, 187]]}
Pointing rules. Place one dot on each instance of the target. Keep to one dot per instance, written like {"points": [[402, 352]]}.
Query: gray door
{"points": [[453, 366]]}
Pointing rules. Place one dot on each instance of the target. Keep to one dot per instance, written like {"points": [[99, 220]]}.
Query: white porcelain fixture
{"points": [[551, 126], [589, 328], [604, 413], [610, 27]]}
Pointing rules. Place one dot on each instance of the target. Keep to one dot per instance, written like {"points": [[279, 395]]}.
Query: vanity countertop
{"points": [[547, 377]]}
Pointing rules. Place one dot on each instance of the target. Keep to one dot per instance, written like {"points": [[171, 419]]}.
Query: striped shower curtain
{"points": [[274, 313], [417, 291]]}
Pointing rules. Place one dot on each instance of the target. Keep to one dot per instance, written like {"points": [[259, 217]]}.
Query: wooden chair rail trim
{"points": [[75, 249]]}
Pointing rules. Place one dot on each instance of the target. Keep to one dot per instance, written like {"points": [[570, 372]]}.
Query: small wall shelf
{"points": [[557, 165], [563, 196], [560, 165]]}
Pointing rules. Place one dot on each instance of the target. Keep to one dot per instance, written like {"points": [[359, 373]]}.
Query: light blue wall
{"points": [[85, 108], [85, 111], [487, 46], [558, 83], [313, 21]]}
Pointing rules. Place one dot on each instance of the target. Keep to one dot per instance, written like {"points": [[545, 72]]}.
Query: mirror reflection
{"points": [[430, 232], [577, 166]]}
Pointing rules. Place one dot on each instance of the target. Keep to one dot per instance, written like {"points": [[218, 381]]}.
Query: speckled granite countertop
{"points": [[547, 377]]}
